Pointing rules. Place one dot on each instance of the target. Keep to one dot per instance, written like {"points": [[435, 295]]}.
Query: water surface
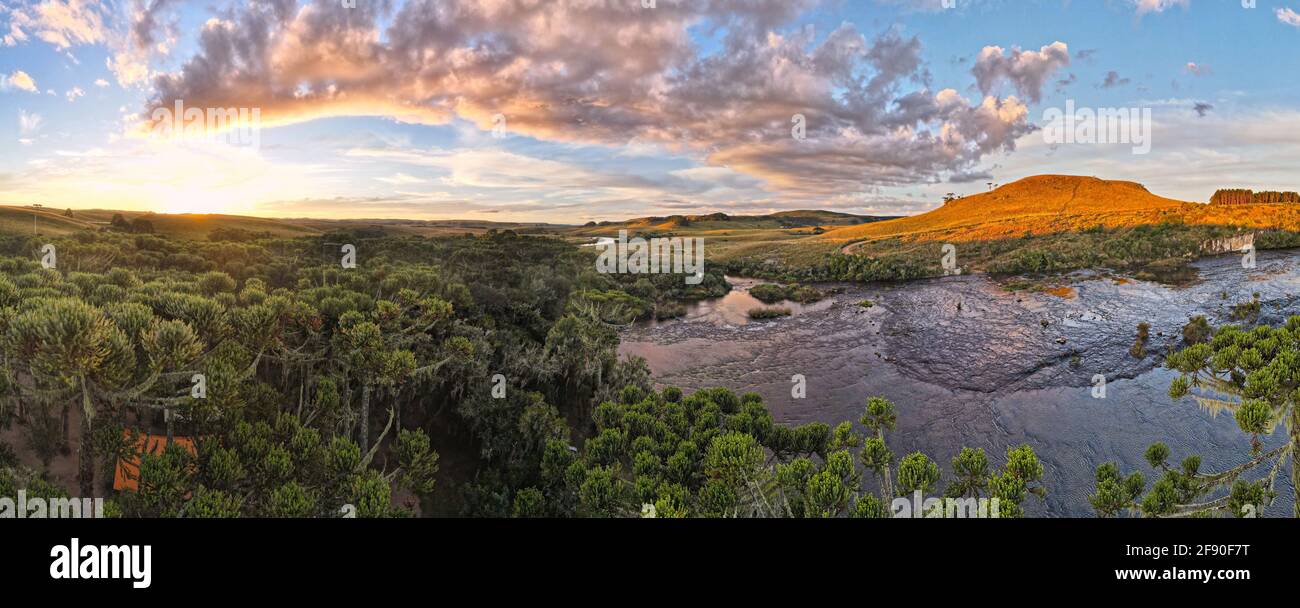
{"points": [[969, 363]]}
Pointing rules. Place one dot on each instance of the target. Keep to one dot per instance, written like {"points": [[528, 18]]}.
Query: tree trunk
{"points": [[64, 420], [87, 461], [398, 399], [365, 418], [169, 417], [86, 475]]}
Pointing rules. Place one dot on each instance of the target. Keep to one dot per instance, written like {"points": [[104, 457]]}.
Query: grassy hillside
{"points": [[198, 226], [1037, 205], [721, 222], [1049, 223], [1046, 223], [26, 220], [736, 236]]}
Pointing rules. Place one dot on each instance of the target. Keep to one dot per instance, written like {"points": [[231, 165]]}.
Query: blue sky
{"points": [[608, 110]]}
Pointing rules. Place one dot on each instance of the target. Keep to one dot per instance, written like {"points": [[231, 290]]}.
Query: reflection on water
{"points": [[971, 364], [733, 308]]}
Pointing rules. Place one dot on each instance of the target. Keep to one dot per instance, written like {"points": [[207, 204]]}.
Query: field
{"points": [[1047, 223], [19, 220]]}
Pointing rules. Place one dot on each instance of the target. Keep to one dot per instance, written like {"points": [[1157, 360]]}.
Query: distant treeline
{"points": [[1242, 196]]}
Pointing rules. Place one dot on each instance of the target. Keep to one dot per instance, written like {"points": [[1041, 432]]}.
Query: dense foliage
{"points": [[1258, 371], [303, 385], [1241, 196], [768, 293], [1151, 252], [716, 454]]}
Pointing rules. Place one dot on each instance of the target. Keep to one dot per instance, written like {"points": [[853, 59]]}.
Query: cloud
{"points": [[29, 122], [1026, 71], [134, 34], [62, 23], [1113, 80], [100, 82], [1288, 16], [928, 6], [73, 93], [1158, 6], [152, 33], [599, 73], [18, 80], [401, 179]]}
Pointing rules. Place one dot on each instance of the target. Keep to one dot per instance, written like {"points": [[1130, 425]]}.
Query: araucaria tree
{"points": [[1251, 373]]}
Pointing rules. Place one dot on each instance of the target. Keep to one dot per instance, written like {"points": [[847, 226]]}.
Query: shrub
{"points": [[768, 313]]}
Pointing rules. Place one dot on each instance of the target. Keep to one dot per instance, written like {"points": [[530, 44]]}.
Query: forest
{"points": [[1241, 196], [470, 375], [358, 374]]}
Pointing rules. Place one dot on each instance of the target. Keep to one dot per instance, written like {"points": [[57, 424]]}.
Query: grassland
{"points": [[49, 221], [731, 237], [1043, 224]]}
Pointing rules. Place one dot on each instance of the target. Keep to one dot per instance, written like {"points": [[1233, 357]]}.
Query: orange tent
{"points": [[127, 475]]}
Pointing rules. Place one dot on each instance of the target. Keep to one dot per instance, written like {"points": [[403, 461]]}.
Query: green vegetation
{"points": [[1247, 311], [321, 386], [714, 454], [1248, 197], [771, 294], [770, 312], [1157, 252], [1139, 348], [1256, 367], [1197, 330], [376, 389]]}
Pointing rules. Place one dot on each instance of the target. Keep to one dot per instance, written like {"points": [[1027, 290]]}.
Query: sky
{"points": [[568, 111]]}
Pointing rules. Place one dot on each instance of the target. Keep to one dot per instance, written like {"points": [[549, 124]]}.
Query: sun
{"points": [[191, 205]]}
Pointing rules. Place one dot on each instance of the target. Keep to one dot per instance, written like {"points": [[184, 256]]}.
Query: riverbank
{"points": [[971, 363]]}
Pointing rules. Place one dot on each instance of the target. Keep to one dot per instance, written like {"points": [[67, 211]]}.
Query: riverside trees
{"points": [[1251, 373], [716, 454], [310, 389]]}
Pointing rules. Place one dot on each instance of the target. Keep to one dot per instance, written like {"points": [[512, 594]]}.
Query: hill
{"points": [[25, 220], [1042, 204], [724, 222], [1039, 225]]}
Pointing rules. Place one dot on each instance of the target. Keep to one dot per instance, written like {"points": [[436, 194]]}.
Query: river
{"points": [[969, 363]]}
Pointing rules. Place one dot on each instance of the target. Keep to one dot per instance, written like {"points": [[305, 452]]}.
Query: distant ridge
{"points": [[1039, 204], [722, 221]]}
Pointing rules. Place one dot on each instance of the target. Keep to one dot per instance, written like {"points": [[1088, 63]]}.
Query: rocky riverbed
{"points": [[971, 363]]}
